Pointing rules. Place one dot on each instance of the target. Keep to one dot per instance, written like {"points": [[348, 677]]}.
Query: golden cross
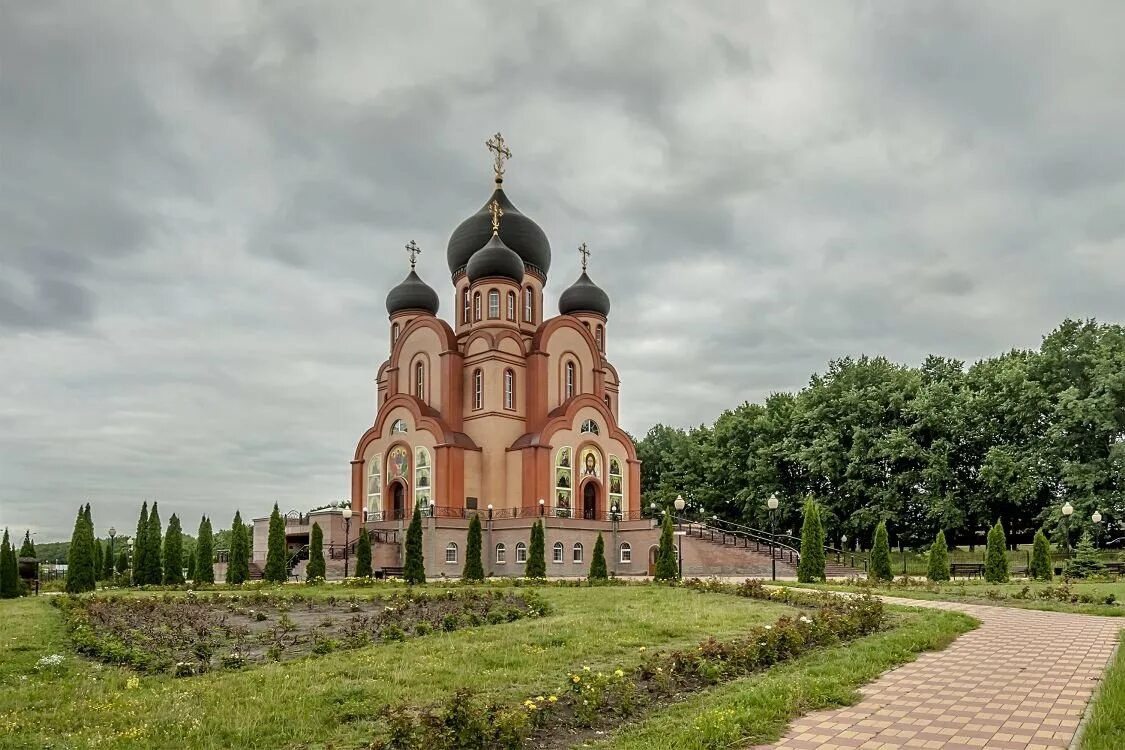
{"points": [[415, 251], [497, 212], [496, 143], [585, 253]]}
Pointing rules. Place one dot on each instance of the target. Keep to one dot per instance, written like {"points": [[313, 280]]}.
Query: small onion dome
{"points": [[495, 259], [519, 233], [412, 294], [584, 296]]}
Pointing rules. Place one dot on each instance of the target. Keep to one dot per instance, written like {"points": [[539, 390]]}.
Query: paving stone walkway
{"points": [[1020, 680]]}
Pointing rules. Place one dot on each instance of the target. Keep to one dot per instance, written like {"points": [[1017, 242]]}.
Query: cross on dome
{"points": [[585, 253], [414, 251], [496, 144]]}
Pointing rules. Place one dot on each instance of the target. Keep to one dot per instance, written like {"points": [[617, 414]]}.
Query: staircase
{"points": [[748, 549]]}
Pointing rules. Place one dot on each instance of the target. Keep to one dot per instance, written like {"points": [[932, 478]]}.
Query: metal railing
{"points": [[727, 532]]}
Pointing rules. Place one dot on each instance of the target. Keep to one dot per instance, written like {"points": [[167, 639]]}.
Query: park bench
{"points": [[966, 569], [389, 571]]}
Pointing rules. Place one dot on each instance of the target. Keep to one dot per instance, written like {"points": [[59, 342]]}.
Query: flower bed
{"points": [[191, 634]]}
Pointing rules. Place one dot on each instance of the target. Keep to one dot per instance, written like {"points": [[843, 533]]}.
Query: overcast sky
{"points": [[202, 209]]}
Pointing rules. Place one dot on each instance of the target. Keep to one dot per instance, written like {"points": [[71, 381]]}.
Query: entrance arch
{"points": [[398, 501], [590, 501], [652, 553]]}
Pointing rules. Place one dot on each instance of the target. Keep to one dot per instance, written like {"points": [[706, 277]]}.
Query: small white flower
{"points": [[769, 627], [805, 619], [49, 661]]}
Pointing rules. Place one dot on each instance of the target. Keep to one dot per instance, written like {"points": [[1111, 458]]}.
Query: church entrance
{"points": [[590, 501], [398, 502]]}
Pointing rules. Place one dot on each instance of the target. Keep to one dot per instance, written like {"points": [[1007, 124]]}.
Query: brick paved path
{"points": [[1020, 680]]}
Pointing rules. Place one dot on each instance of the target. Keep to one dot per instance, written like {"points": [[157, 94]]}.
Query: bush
{"points": [[996, 558], [1085, 561], [363, 554], [474, 569], [414, 571], [205, 555], [810, 568], [316, 567], [880, 567], [667, 568], [939, 559], [1041, 568], [536, 556], [275, 549], [597, 563]]}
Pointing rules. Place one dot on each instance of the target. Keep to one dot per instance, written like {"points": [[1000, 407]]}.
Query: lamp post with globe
{"points": [[112, 534], [1097, 519], [679, 506], [1067, 510], [771, 503], [347, 514]]}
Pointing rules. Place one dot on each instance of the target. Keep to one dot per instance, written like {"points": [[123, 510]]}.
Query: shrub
{"points": [[238, 563], [939, 559], [173, 553], [474, 569], [275, 549], [414, 571], [80, 557], [810, 568], [536, 555], [1085, 561], [1041, 568], [880, 567], [597, 562], [996, 558], [205, 554], [316, 567], [363, 554], [666, 563]]}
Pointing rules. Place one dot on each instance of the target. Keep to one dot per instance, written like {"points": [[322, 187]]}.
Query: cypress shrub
{"points": [[275, 549], [204, 571], [598, 570], [9, 575], [1085, 561], [667, 568], [173, 553], [316, 567], [536, 557], [474, 567], [996, 559], [939, 559], [122, 562], [363, 554], [189, 565], [99, 559], [107, 565], [154, 572], [810, 568], [414, 571], [238, 557], [80, 558], [1041, 568], [28, 548], [880, 567], [140, 553]]}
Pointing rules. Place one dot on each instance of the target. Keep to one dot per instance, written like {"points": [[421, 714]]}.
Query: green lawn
{"points": [[332, 699], [1106, 730], [917, 563]]}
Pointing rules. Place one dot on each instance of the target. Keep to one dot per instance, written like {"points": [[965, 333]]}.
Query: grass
{"points": [[1106, 728], [332, 700], [757, 709], [917, 563]]}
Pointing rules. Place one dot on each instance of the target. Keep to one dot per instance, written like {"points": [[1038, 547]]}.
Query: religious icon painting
{"points": [[398, 463], [562, 477], [423, 475], [589, 463], [564, 457], [562, 499], [614, 465], [614, 485]]}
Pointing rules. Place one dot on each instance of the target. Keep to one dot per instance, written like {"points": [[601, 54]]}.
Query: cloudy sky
{"points": [[202, 207]]}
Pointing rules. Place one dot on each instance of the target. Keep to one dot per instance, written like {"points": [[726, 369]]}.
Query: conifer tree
{"points": [[99, 558], [667, 568], [1085, 561], [14, 565], [474, 567], [122, 562], [204, 553], [536, 555], [996, 558], [154, 573], [190, 565], [810, 567], [28, 548], [316, 568], [598, 570], [9, 575], [275, 549], [174, 553], [238, 560], [414, 571], [107, 566], [363, 554], [80, 558], [1041, 568], [880, 568], [939, 559], [140, 544]]}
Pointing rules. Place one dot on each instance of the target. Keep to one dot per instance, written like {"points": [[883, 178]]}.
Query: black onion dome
{"points": [[412, 294], [495, 259], [519, 233], [584, 296]]}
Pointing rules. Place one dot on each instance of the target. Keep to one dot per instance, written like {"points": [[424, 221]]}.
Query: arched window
{"points": [[423, 480], [557, 552], [420, 381], [451, 553], [600, 336], [395, 331], [399, 425], [521, 553], [626, 553], [528, 305], [501, 554], [375, 482], [591, 427], [478, 389], [608, 405], [570, 379], [509, 389], [512, 306], [576, 552], [493, 304], [476, 306], [465, 305]]}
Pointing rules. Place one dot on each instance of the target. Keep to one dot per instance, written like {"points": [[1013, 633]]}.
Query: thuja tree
{"points": [[316, 567], [666, 567], [275, 549], [811, 566], [154, 572], [536, 555], [238, 558], [363, 554], [939, 559], [80, 557], [99, 557], [140, 547], [414, 571], [122, 562], [28, 548], [1041, 568], [189, 564], [204, 571], [474, 568], [1085, 561], [9, 576], [173, 553], [996, 559], [880, 566], [107, 564], [598, 570]]}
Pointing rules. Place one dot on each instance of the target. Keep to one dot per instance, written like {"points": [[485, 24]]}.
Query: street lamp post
{"points": [[1097, 519], [1067, 510], [679, 505], [772, 505], [843, 545], [542, 505], [112, 534], [347, 514]]}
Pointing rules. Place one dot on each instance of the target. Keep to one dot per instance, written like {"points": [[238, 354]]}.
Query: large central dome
{"points": [[516, 230]]}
